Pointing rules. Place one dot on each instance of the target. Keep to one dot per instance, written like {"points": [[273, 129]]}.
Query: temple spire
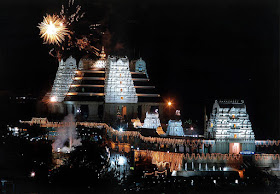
{"points": [[102, 54]]}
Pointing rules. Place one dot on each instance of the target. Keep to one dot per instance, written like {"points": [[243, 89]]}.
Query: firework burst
{"points": [[63, 31], [53, 30]]}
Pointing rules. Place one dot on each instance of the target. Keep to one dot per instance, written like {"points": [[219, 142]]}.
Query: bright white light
{"points": [[32, 174], [121, 129], [174, 173], [51, 29], [53, 99], [214, 181], [122, 160], [236, 181]]}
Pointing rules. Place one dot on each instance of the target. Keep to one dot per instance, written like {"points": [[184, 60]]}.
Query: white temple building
{"points": [[175, 128], [98, 89], [231, 128], [151, 121]]}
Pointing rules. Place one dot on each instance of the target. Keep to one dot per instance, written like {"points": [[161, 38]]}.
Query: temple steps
{"points": [[140, 79], [102, 94], [89, 78], [84, 94], [101, 70], [145, 87], [102, 86], [133, 72], [88, 85], [148, 95]]}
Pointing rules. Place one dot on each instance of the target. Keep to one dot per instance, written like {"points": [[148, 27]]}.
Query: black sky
{"points": [[196, 50]]}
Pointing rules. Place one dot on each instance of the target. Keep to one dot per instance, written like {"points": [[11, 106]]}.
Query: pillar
{"points": [[192, 165], [186, 166]]}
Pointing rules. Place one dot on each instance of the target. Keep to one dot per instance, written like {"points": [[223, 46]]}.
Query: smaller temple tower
{"points": [[140, 66], [151, 121], [175, 128], [231, 128]]}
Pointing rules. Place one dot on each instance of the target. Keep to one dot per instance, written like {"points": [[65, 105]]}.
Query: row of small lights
{"points": [[54, 99]]}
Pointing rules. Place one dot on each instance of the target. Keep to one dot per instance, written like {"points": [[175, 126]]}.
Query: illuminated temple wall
{"points": [[190, 162], [228, 124], [119, 87]]}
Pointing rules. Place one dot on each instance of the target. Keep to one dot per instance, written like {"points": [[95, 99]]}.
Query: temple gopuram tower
{"points": [[230, 127], [119, 87]]}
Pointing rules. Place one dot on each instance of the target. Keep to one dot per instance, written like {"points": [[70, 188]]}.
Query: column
{"points": [[186, 166], [192, 166]]}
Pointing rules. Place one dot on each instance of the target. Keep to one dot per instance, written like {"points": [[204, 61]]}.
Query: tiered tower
{"points": [[64, 78], [229, 123], [119, 87]]}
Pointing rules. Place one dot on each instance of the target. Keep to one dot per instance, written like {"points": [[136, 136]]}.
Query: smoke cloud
{"points": [[66, 133]]}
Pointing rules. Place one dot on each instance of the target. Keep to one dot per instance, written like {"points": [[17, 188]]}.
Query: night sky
{"points": [[196, 50]]}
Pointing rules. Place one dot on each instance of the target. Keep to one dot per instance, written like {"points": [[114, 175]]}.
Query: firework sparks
{"points": [[71, 14], [53, 30]]}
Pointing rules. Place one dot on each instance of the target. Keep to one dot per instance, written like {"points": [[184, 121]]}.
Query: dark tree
{"points": [[87, 167]]}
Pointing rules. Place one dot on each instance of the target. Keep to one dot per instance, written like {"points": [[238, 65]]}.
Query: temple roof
{"points": [[231, 103]]}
